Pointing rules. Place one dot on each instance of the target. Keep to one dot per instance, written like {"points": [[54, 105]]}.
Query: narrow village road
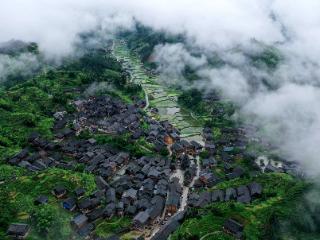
{"points": [[147, 100], [197, 173], [185, 190]]}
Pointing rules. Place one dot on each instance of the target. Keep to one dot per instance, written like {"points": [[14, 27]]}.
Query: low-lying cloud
{"points": [[282, 101], [172, 59], [23, 65]]}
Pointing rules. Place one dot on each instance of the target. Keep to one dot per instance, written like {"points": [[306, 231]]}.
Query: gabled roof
{"points": [[88, 203], [79, 192], [176, 147], [233, 227], [131, 209], [86, 230], [204, 199], [18, 229], [141, 218], [109, 210], [196, 144], [157, 206], [58, 190], [41, 200], [101, 183], [230, 194], [209, 162], [185, 143], [217, 195], [95, 214], [237, 172], [69, 203], [166, 230], [133, 168], [255, 189], [154, 173], [79, 220], [173, 199], [210, 145], [243, 194], [143, 203], [130, 193], [111, 195]]}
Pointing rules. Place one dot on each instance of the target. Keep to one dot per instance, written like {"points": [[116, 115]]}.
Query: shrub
{"points": [[44, 217]]}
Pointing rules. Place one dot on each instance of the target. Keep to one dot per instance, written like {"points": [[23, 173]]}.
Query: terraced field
{"points": [[158, 96]]}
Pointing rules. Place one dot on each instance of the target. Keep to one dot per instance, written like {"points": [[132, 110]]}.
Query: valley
{"points": [[130, 162]]}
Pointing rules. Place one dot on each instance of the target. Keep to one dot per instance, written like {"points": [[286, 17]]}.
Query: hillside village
{"points": [[159, 120], [143, 188], [138, 187], [147, 168]]}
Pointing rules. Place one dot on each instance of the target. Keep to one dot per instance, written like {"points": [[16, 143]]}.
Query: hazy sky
{"points": [[291, 111]]}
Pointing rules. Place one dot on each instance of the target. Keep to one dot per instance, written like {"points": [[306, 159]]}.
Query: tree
{"points": [[191, 99], [7, 209], [44, 217], [114, 77]]}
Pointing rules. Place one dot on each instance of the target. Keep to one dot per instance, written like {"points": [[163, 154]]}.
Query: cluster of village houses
{"points": [[243, 194], [137, 187]]}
